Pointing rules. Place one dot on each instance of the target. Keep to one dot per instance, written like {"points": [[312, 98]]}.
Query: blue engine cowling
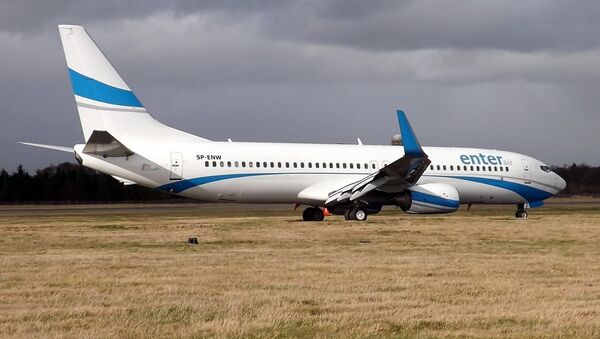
{"points": [[430, 199]]}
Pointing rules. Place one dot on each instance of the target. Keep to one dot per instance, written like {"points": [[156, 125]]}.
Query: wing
{"points": [[394, 177]]}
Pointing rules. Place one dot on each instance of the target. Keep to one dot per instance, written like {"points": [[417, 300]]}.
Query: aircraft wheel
{"points": [[317, 214], [347, 215], [307, 215], [313, 214], [521, 214], [360, 214]]}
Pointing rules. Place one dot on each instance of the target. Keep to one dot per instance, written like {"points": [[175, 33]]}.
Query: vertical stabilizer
{"points": [[104, 101], [99, 90]]}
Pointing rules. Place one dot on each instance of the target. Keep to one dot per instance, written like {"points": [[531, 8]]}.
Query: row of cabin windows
{"points": [[344, 165], [272, 164], [471, 168]]}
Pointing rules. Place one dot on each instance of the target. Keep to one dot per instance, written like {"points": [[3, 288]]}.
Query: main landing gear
{"points": [[521, 213], [355, 213], [313, 214]]}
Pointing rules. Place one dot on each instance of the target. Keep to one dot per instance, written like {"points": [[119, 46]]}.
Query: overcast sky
{"points": [[513, 75]]}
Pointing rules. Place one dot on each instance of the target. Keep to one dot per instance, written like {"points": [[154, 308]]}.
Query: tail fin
{"points": [[99, 90], [104, 101]]}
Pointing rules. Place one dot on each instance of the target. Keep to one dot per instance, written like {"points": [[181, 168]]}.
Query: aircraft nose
{"points": [[561, 184]]}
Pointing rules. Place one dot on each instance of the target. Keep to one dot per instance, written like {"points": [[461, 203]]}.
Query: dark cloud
{"points": [[508, 75], [425, 24]]}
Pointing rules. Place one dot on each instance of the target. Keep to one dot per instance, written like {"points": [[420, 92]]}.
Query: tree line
{"points": [[72, 183]]}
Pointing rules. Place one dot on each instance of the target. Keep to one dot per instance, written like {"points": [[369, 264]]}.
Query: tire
{"points": [[317, 214], [347, 214], [307, 215], [360, 214], [521, 214], [352, 214]]}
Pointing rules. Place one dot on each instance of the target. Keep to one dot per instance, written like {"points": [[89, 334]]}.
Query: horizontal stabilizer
{"points": [[104, 144], [52, 147]]}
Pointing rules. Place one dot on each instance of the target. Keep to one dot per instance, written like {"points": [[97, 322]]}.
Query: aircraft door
{"points": [[526, 170], [176, 166]]}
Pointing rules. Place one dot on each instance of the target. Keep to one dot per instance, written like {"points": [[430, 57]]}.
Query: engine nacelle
{"points": [[428, 199]]}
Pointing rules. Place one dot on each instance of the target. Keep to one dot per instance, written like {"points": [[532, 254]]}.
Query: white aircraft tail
{"points": [[104, 101]]}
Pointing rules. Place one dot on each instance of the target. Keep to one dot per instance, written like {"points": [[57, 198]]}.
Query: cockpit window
{"points": [[545, 168]]}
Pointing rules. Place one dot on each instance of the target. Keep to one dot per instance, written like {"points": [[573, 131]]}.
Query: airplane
{"points": [[123, 140]]}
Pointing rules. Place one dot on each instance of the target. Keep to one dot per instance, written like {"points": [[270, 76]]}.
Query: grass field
{"points": [[128, 272]]}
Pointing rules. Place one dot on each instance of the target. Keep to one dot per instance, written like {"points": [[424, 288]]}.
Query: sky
{"points": [[519, 75]]}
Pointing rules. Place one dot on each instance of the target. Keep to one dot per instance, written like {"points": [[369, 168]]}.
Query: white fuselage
{"points": [[306, 173]]}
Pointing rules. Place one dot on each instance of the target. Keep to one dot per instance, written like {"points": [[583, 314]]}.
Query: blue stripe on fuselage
{"points": [[180, 186], [527, 192], [531, 194], [87, 87]]}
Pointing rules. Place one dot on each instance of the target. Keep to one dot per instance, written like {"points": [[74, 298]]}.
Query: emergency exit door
{"points": [[176, 166]]}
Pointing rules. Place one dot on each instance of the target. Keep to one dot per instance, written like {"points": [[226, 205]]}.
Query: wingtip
{"points": [[409, 138]]}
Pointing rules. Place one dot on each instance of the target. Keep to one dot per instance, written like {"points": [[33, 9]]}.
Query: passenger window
{"points": [[337, 165], [229, 164], [265, 164], [310, 165], [439, 167], [374, 166], [214, 164], [431, 167], [243, 164], [287, 165], [465, 168], [330, 165], [344, 165], [279, 164], [273, 164], [295, 165], [302, 165], [257, 164], [483, 168], [351, 165], [366, 166], [489, 168], [477, 168], [495, 168], [451, 168], [472, 168], [206, 164], [507, 168], [501, 169], [236, 164], [358, 166], [250, 163]]}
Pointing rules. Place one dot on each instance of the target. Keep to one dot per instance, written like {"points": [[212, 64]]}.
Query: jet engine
{"points": [[430, 198]]}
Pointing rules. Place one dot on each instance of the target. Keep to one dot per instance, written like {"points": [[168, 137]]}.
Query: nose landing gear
{"points": [[521, 213]]}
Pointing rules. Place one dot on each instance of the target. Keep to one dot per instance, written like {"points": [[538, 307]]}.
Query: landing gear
{"points": [[313, 214], [355, 213], [521, 212]]}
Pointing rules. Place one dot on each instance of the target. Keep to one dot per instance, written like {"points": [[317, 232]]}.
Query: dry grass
{"points": [[263, 273]]}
